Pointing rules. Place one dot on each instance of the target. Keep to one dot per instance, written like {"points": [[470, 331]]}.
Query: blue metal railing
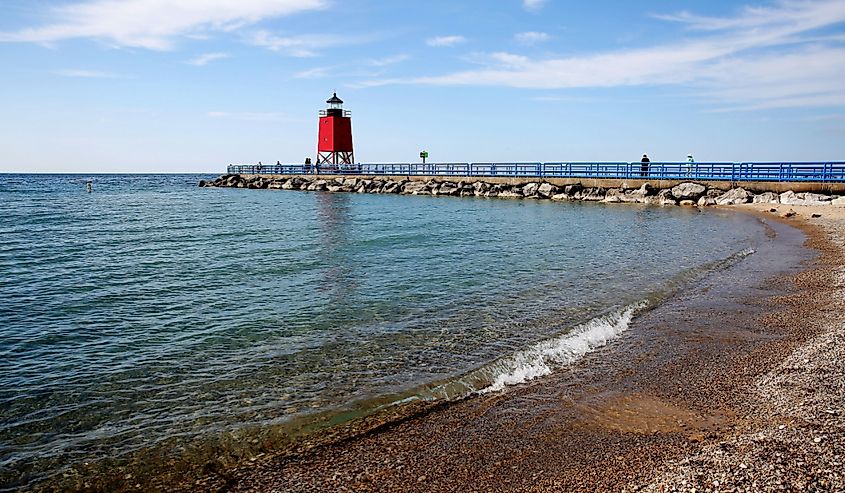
{"points": [[828, 172]]}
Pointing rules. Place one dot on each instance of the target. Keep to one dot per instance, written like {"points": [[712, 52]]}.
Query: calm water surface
{"points": [[152, 309]]}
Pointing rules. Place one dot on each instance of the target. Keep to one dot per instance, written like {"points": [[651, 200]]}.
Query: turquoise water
{"points": [[152, 309]]}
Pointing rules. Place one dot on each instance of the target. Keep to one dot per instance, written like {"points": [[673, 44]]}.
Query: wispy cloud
{"points": [[314, 73], [391, 60], [249, 116], [440, 41], [306, 45], [154, 24], [531, 38], [88, 74], [533, 5], [760, 58], [207, 58]]}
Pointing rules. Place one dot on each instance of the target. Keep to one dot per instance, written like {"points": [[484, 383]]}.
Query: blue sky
{"points": [[192, 85]]}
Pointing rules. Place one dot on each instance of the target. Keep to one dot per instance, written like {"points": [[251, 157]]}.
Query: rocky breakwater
{"points": [[686, 193]]}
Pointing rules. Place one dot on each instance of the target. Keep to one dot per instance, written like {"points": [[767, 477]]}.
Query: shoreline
{"points": [[564, 432], [630, 417]]}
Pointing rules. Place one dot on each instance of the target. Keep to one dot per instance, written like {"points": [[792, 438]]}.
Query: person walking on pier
{"points": [[690, 162], [644, 165]]}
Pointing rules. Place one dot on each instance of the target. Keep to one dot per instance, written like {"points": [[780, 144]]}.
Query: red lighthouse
{"points": [[335, 142]]}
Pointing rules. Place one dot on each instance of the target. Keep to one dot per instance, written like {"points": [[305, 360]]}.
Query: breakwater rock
{"points": [[686, 193]]}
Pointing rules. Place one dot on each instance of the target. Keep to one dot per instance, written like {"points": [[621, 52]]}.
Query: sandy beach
{"points": [[683, 405]]}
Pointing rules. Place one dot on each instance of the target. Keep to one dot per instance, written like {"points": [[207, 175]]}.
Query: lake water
{"points": [[151, 309]]}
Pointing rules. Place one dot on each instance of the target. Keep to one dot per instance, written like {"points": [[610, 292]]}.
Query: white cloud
{"points": [[531, 37], [533, 5], [763, 57], [207, 58], [307, 45], [154, 24], [391, 60], [314, 73], [445, 40], [88, 74]]}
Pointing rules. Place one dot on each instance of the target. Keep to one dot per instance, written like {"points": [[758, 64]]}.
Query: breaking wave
{"points": [[542, 358]]}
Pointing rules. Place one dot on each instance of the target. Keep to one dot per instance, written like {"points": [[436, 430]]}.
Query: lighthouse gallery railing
{"points": [[830, 172]]}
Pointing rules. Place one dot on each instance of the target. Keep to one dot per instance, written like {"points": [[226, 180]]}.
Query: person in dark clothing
{"points": [[644, 165]]}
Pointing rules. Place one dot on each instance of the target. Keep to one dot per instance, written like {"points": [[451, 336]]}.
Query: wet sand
{"points": [[729, 384]]}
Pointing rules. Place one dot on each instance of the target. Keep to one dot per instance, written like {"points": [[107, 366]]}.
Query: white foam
{"points": [[542, 358]]}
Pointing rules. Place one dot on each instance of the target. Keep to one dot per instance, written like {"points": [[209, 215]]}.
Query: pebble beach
{"points": [[792, 436]]}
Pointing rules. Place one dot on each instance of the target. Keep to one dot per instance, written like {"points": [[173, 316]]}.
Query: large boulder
{"points": [[560, 197], [317, 185], [766, 198], [738, 195], [614, 195], [637, 195], [816, 199], [592, 194], [530, 190], [413, 187], [688, 191], [447, 188], [571, 190], [840, 201], [665, 197], [511, 194], [706, 200], [391, 187], [546, 190], [790, 198]]}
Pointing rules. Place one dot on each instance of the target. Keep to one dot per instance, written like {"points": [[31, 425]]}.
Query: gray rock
{"points": [[593, 194], [738, 195], [510, 194], [766, 198], [317, 185], [839, 201], [561, 196], [391, 187], [447, 188], [413, 187], [816, 199], [481, 186], [706, 201], [571, 190], [614, 195], [530, 189], [665, 197], [546, 190], [688, 191]]}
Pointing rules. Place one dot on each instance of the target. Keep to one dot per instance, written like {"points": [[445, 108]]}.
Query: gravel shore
{"points": [[684, 405], [793, 432]]}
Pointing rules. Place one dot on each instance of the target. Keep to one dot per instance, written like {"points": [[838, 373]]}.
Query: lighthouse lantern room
{"points": [[335, 137]]}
